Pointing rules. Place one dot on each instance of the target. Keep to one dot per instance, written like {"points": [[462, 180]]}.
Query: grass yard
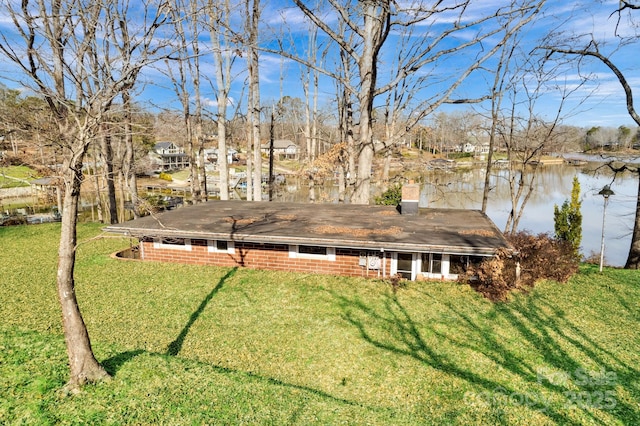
{"points": [[203, 345], [16, 176]]}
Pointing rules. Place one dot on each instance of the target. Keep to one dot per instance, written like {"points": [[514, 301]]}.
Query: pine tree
{"points": [[568, 218], [390, 197]]}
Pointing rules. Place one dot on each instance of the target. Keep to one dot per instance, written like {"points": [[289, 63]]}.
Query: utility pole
{"points": [[271, 156]]}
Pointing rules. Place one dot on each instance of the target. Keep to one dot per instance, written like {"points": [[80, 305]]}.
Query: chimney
{"points": [[410, 198]]}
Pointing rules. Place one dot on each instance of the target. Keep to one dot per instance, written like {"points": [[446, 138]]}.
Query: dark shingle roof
{"points": [[163, 145], [338, 225]]}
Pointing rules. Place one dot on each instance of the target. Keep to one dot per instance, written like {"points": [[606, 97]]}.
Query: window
{"points": [[172, 243], [459, 264], [312, 252], [221, 246], [320, 251], [432, 263], [404, 266]]}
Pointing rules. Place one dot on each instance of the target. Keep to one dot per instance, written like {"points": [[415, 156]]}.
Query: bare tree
{"points": [[107, 159], [525, 134], [254, 183], [591, 48], [222, 40], [69, 35], [128, 164], [371, 22], [311, 78], [345, 103], [183, 68], [497, 95], [501, 82]]}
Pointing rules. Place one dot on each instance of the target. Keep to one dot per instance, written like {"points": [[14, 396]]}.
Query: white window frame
{"points": [[212, 247], [416, 266], [294, 253], [414, 263], [444, 266], [158, 244]]}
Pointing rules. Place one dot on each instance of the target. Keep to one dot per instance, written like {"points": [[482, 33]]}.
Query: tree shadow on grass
{"points": [[113, 364], [562, 350], [175, 347]]}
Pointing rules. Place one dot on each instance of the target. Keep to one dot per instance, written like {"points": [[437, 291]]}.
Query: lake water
{"points": [[552, 187], [463, 189]]}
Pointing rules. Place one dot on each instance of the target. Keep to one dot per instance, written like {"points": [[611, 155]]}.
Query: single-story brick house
{"points": [[338, 239]]}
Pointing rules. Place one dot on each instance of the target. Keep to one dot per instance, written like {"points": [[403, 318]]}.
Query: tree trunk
{"points": [[307, 118], [362, 188], [122, 192], [384, 178], [250, 142], [375, 14], [198, 175], [220, 14], [363, 176], [194, 158], [96, 179], [487, 174], [128, 164], [492, 143], [633, 261], [223, 166], [341, 184], [315, 149], [107, 153], [14, 144], [312, 188], [253, 20], [84, 367]]}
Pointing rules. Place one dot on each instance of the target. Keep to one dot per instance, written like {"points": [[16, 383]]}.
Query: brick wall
{"points": [[263, 256]]}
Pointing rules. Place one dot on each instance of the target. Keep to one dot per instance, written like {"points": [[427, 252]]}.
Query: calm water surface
{"points": [[552, 187]]}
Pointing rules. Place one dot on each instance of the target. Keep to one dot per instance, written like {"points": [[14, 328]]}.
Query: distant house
{"points": [[337, 239], [211, 155], [283, 149], [482, 148], [169, 156], [48, 186], [470, 148]]}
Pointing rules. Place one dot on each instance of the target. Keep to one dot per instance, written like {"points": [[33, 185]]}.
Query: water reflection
{"points": [[552, 187], [463, 189]]}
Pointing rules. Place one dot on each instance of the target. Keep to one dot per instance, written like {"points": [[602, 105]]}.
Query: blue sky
{"points": [[599, 102], [605, 105]]}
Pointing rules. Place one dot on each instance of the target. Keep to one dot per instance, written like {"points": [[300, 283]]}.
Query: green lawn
{"points": [[203, 345], [16, 176]]}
